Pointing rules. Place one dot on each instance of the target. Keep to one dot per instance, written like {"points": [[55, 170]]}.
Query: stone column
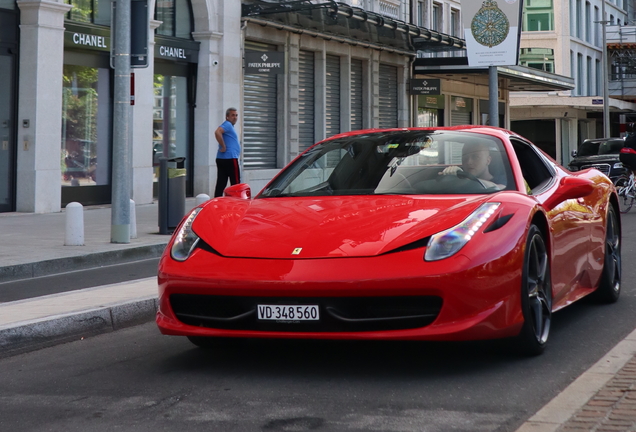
{"points": [[219, 81], [373, 116], [142, 169], [320, 94], [40, 101], [293, 64], [404, 99], [208, 114], [345, 92]]}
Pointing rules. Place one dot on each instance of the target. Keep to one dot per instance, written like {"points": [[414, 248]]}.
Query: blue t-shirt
{"points": [[232, 145]]}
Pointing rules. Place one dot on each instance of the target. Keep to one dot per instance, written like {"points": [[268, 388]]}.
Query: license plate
{"points": [[288, 312]]}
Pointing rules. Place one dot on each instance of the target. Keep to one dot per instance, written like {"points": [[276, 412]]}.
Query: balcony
{"points": [[618, 36], [621, 45]]}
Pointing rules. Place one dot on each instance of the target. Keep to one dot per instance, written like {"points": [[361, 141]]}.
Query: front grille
{"points": [[604, 168], [337, 314]]}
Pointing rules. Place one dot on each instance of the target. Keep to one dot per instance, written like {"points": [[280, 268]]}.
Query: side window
{"points": [[533, 167], [317, 172]]}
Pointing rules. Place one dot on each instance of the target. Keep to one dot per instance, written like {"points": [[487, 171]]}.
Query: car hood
{"points": [[308, 227], [594, 159]]}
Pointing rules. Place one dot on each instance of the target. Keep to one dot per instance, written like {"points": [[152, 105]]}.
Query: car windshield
{"points": [[398, 162], [589, 148], [611, 147]]}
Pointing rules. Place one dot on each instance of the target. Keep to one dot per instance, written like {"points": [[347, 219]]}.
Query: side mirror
{"points": [[574, 153], [241, 190], [569, 188]]}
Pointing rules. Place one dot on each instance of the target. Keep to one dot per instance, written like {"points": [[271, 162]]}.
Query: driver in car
{"points": [[476, 160]]}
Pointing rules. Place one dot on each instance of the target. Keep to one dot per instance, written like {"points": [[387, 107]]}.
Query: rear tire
{"points": [[609, 288], [536, 295]]}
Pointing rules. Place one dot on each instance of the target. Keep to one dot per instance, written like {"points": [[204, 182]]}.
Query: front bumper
{"points": [[478, 300]]}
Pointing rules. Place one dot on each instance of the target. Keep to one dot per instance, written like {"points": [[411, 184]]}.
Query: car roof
{"points": [[489, 130], [600, 140]]}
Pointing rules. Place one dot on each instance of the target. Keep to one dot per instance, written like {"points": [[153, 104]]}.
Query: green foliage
{"points": [[79, 114], [82, 10]]}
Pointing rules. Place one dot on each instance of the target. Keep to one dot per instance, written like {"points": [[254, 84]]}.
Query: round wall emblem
{"points": [[490, 26]]}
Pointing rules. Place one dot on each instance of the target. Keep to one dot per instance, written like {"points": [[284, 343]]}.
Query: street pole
{"points": [[120, 209], [493, 91], [606, 114]]}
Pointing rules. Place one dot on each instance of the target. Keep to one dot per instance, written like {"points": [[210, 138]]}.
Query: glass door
{"points": [[85, 158], [172, 118], [7, 130]]}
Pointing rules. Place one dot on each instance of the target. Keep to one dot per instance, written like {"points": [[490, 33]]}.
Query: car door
{"points": [[568, 221]]}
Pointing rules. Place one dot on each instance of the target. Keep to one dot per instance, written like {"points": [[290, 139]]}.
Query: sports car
{"points": [[444, 234]]}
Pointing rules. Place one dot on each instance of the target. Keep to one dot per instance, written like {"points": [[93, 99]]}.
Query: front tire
{"points": [[536, 295], [609, 288]]}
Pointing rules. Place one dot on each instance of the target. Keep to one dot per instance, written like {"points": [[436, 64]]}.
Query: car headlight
{"points": [[447, 243], [618, 165], [186, 240]]}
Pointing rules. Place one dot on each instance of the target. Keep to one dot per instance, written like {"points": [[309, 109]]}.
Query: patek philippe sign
{"points": [[271, 62], [492, 29], [425, 87]]}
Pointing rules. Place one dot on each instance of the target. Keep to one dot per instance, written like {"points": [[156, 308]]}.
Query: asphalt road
{"points": [[45, 285], [138, 380]]}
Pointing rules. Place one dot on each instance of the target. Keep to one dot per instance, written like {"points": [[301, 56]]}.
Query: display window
{"points": [[172, 117], [8, 88], [170, 120], [85, 157], [430, 110]]}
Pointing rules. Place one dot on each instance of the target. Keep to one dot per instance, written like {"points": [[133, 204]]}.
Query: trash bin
{"points": [[172, 193]]}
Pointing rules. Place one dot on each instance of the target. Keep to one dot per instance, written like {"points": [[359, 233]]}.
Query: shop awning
{"points": [[338, 21], [517, 78]]}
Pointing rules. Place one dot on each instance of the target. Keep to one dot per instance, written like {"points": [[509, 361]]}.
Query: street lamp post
{"points": [[493, 81], [606, 117], [120, 209]]}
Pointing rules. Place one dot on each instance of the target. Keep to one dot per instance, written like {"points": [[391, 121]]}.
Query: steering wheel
{"points": [[464, 174]]}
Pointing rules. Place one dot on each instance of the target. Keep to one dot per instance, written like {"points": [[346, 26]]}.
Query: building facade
{"points": [[344, 67], [566, 37], [57, 138]]}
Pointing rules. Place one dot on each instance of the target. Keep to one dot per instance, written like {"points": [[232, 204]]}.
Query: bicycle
{"points": [[626, 188]]}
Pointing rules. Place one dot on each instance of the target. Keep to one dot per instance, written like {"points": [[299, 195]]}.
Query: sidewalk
{"points": [[602, 399], [32, 245]]}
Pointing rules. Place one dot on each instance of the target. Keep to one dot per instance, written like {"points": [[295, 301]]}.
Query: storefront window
{"points": [[484, 113], [430, 110], [90, 11], [7, 4], [176, 18], [461, 111], [170, 119], [538, 15], [86, 126], [537, 58], [6, 132]]}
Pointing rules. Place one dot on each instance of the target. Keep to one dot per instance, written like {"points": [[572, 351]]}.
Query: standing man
{"points": [[227, 158]]}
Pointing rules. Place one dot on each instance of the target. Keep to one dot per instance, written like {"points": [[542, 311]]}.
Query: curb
{"points": [[46, 332], [575, 397], [81, 262]]}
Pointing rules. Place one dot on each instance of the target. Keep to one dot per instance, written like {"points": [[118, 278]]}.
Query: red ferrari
{"points": [[458, 233]]}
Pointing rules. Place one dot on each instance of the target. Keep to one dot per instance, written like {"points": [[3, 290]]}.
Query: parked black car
{"points": [[600, 153]]}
